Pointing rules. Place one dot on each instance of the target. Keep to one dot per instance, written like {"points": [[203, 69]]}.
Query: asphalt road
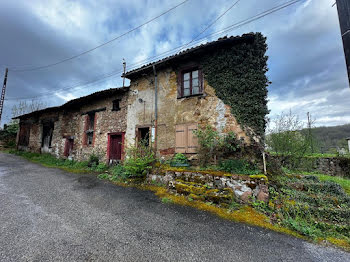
{"points": [[51, 215]]}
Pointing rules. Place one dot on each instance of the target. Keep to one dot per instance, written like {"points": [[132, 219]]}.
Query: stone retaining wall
{"points": [[333, 166], [216, 188]]}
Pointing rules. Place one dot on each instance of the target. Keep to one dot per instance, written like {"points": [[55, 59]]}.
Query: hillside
{"points": [[328, 138]]}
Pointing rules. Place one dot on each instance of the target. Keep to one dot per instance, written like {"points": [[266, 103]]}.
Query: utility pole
{"points": [[124, 66], [309, 126], [343, 7], [2, 99]]}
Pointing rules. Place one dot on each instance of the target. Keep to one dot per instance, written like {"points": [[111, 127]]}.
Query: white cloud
{"points": [[306, 59]]}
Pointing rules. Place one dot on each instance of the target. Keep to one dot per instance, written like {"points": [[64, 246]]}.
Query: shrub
{"points": [[139, 160], [118, 173], [93, 160], [101, 167], [238, 166], [213, 145]]}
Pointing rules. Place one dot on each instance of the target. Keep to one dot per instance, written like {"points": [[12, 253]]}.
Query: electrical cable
{"points": [[224, 30], [103, 44]]}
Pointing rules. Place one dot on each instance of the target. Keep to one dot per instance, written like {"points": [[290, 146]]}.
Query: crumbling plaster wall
{"points": [[207, 109]]}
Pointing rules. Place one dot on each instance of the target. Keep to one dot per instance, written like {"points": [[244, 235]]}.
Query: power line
{"points": [[103, 44], [136, 65], [217, 19]]}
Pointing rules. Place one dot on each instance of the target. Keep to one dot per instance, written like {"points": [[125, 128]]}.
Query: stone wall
{"points": [[216, 188], [206, 109], [333, 166], [71, 122]]}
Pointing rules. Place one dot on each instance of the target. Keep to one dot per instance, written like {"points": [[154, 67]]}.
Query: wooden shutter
{"points": [[94, 132], [179, 84], [201, 81], [192, 142], [181, 139]]}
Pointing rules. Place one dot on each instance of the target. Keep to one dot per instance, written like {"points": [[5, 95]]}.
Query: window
{"points": [[47, 134], [186, 141], [143, 135], [89, 128], [116, 106], [90, 136], [191, 83]]}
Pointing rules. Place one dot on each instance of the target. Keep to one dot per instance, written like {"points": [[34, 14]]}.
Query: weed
{"points": [[166, 200]]}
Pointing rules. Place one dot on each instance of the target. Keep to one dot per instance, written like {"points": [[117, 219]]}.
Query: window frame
{"points": [[114, 103], [89, 132], [182, 81]]}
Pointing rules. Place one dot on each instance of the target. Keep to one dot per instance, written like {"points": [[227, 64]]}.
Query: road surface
{"points": [[47, 214]]}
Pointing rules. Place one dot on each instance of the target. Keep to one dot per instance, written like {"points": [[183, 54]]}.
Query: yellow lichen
{"points": [[259, 177], [339, 242]]}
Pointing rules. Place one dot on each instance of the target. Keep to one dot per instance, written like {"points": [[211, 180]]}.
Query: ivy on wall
{"points": [[238, 75]]}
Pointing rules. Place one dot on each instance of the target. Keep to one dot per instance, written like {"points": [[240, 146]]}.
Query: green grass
{"points": [[343, 182], [48, 160]]}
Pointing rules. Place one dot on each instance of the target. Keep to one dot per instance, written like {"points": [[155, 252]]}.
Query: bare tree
{"points": [[24, 107]]}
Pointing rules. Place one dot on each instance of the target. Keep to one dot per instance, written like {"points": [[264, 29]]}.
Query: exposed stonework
{"points": [[214, 188], [69, 122], [204, 110]]}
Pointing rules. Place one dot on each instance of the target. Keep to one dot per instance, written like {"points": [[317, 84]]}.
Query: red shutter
{"points": [[94, 134], [86, 126]]}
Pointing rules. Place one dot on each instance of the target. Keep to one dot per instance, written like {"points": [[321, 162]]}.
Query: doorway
{"points": [[68, 147], [115, 147], [143, 135]]}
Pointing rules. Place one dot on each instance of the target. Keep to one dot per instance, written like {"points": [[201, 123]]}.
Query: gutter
{"points": [[155, 109]]}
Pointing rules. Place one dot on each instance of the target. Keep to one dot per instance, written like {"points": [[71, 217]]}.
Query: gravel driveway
{"points": [[50, 215]]}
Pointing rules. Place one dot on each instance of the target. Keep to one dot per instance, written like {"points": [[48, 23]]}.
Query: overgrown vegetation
{"points": [[314, 208], [139, 160], [8, 135], [179, 160], [238, 75], [238, 166], [214, 145]]}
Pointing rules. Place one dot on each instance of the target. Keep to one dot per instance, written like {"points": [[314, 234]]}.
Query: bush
{"points": [[118, 173], [139, 160], [213, 145], [179, 160], [101, 167], [93, 160], [238, 166]]}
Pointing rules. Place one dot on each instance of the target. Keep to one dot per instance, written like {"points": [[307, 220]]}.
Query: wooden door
{"points": [[68, 147], [115, 148]]}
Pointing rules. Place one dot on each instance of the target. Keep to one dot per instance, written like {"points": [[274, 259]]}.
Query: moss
{"points": [[339, 242], [259, 177], [206, 172]]}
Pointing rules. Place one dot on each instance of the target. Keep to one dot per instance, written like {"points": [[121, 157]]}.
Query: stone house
{"points": [[170, 98], [165, 102], [93, 124]]}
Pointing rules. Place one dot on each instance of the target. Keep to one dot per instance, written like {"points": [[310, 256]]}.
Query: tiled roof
{"points": [[77, 102]]}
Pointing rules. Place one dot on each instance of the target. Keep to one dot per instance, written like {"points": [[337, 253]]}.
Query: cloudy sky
{"points": [[306, 60]]}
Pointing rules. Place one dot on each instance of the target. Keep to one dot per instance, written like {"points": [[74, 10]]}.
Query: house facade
{"points": [[94, 124], [165, 103]]}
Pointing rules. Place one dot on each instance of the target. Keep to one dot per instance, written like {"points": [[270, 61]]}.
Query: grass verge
{"points": [[308, 207]]}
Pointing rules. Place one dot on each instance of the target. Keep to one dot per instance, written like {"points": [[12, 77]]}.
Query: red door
{"points": [[115, 149], [68, 147]]}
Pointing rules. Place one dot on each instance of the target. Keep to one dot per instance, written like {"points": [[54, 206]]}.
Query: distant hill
{"points": [[328, 138]]}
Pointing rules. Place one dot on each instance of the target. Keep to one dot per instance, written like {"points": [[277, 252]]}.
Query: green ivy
{"points": [[238, 76]]}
